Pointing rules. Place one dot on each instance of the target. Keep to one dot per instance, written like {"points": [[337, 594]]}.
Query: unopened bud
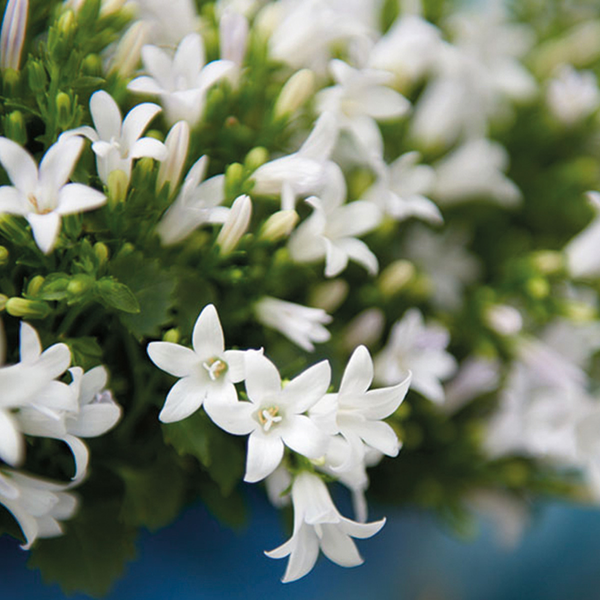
{"points": [[538, 288], [329, 295], [256, 157], [92, 65], [118, 182], [12, 35], [66, 22], [395, 277], [235, 225], [27, 309], [548, 262], [234, 176], [366, 328], [36, 73], [172, 335], [80, 284], [129, 50], [63, 110], [101, 251], [14, 127], [279, 225], [177, 144], [296, 91], [503, 319], [34, 286]]}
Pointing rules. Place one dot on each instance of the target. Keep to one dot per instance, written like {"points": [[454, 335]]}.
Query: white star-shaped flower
{"points": [[43, 195], [207, 373], [274, 415]]}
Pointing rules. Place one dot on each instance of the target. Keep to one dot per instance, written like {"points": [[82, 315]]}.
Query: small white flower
{"points": [[43, 196], [331, 231], [168, 22], [12, 35], [319, 526], [420, 349], [303, 325], [573, 95], [357, 412], [180, 82], [38, 505], [117, 142], [196, 204], [207, 373], [274, 415]]}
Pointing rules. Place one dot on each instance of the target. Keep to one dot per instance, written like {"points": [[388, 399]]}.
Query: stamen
{"points": [[215, 367], [269, 416]]}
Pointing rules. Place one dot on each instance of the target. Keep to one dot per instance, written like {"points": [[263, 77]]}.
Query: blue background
{"points": [[412, 558]]}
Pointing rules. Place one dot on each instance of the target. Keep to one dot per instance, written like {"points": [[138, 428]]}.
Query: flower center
{"points": [[216, 368], [267, 417], [34, 202]]}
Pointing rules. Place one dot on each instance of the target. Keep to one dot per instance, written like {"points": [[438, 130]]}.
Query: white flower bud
{"points": [[504, 319], [297, 90], [365, 329], [396, 276], [13, 34], [279, 225], [177, 143], [329, 295], [236, 224], [129, 49]]}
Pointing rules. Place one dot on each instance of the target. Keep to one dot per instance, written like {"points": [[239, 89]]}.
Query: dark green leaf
{"points": [[117, 295]]}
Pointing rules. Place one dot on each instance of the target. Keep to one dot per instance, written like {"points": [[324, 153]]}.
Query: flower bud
{"points": [[366, 329], [118, 182], [14, 127], [36, 73], [129, 49], [236, 224], [395, 277], [296, 91], [101, 252], [256, 157], [503, 319], [329, 295], [27, 309], [538, 288], [549, 262], [172, 335], [177, 144], [12, 35], [234, 176], [63, 110], [92, 65], [279, 225], [80, 284], [34, 286], [3, 256]]}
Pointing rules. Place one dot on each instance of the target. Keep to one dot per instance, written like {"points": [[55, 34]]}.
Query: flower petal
{"points": [[106, 116], [145, 85], [159, 65], [12, 447], [308, 388], [76, 197], [81, 455], [59, 161], [184, 398], [301, 435], [262, 377], [207, 337], [136, 121], [304, 554], [189, 58], [45, 230], [149, 147], [233, 417], [264, 455], [359, 252], [55, 360], [174, 359], [339, 547], [19, 165], [12, 201], [358, 374], [336, 259], [95, 419], [378, 435], [30, 345], [322, 139]]}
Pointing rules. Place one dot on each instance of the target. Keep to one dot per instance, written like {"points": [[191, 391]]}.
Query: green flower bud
{"points": [[101, 251], [14, 127], [37, 77], [33, 287], [63, 110], [234, 176], [538, 288], [92, 65], [279, 225], [395, 277], [172, 335], [256, 157], [549, 262], [66, 22], [27, 309], [10, 81], [118, 182], [80, 284]]}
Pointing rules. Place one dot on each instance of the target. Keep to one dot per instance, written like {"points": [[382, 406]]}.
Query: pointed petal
{"points": [[378, 435], [207, 337], [149, 147], [30, 345], [361, 530], [159, 65], [233, 417], [45, 230], [262, 377], [55, 360], [236, 363], [320, 142], [383, 103], [189, 58], [145, 85], [304, 554], [213, 72], [136, 121], [308, 388], [12, 447], [85, 130], [59, 161], [184, 398], [354, 219], [264, 455], [95, 419], [302, 435], [12, 201], [106, 116], [174, 359], [381, 403], [19, 165], [336, 260], [358, 374], [76, 197], [339, 547], [80, 454], [55, 396], [359, 252]]}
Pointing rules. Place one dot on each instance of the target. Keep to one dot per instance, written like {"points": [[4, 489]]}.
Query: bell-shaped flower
{"points": [[12, 36], [197, 203], [206, 374], [357, 412], [39, 506], [332, 229], [319, 526], [180, 82], [419, 349], [117, 142], [274, 415], [43, 195], [303, 172], [303, 325]]}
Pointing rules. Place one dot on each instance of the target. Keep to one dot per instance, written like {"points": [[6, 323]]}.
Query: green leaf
{"points": [[117, 295], [91, 555], [154, 495], [86, 352], [220, 454], [153, 288]]}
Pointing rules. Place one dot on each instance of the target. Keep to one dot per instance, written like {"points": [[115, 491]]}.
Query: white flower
{"points": [[116, 142], [196, 204], [180, 82], [420, 349], [330, 232], [206, 373], [304, 171], [303, 325], [583, 251], [401, 187], [12, 35], [233, 37], [274, 416], [573, 95], [168, 22], [37, 505], [357, 412], [177, 143], [475, 170], [235, 225], [43, 196], [319, 526]]}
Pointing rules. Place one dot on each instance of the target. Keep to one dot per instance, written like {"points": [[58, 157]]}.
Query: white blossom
{"points": [[43, 195], [573, 95], [235, 225], [12, 35], [177, 143]]}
